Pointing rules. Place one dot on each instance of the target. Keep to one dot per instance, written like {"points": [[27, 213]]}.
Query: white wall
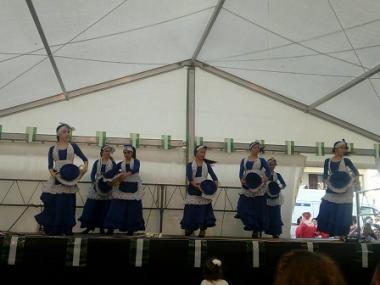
{"points": [[152, 107], [224, 109]]}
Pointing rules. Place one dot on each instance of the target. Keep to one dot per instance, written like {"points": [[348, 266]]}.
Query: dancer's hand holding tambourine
{"points": [[208, 188], [124, 175], [82, 170], [53, 172], [196, 185]]}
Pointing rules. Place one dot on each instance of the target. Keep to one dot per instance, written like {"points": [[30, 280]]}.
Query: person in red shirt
{"points": [[318, 233], [306, 228]]}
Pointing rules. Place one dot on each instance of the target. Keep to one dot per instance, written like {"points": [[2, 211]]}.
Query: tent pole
{"points": [[33, 12], [209, 26], [190, 113]]}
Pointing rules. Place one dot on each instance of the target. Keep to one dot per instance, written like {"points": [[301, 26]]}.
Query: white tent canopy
{"points": [[303, 51], [277, 70]]}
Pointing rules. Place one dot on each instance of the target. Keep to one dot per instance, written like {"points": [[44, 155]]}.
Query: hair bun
{"points": [[216, 262]]}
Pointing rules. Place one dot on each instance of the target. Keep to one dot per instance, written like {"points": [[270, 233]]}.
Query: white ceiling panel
{"points": [[355, 12], [38, 83], [294, 47], [358, 106], [294, 19], [17, 30], [294, 86], [102, 59]]}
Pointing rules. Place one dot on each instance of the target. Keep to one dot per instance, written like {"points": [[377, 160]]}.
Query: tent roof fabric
{"points": [[303, 50]]}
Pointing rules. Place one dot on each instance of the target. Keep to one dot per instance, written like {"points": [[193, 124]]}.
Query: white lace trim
{"points": [[69, 157], [275, 202], [256, 164], [109, 166], [209, 197], [69, 154], [196, 200], [251, 194], [60, 188], [344, 198], [119, 195], [92, 194], [194, 167]]}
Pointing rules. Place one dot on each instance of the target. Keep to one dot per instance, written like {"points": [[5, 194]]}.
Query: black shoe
{"points": [[102, 231], [260, 234], [188, 233], [202, 233], [255, 234], [109, 232], [275, 236]]}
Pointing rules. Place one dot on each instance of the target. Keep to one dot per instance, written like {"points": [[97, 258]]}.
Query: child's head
{"points": [[213, 269]]}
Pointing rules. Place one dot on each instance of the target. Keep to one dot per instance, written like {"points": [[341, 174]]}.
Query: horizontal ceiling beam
{"points": [[345, 87], [94, 88], [285, 100], [129, 78], [252, 86], [214, 145]]}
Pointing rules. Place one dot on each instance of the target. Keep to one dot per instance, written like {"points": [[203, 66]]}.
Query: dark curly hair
{"points": [[303, 267]]}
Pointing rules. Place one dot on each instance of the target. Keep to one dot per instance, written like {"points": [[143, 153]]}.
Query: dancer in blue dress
{"points": [[198, 212], [58, 196], [251, 207], [126, 211], [100, 193], [274, 201], [341, 177]]}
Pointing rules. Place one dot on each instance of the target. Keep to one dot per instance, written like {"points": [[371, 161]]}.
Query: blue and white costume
{"points": [[97, 204], [251, 208], [198, 212], [58, 215], [274, 220], [335, 212], [126, 212]]}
